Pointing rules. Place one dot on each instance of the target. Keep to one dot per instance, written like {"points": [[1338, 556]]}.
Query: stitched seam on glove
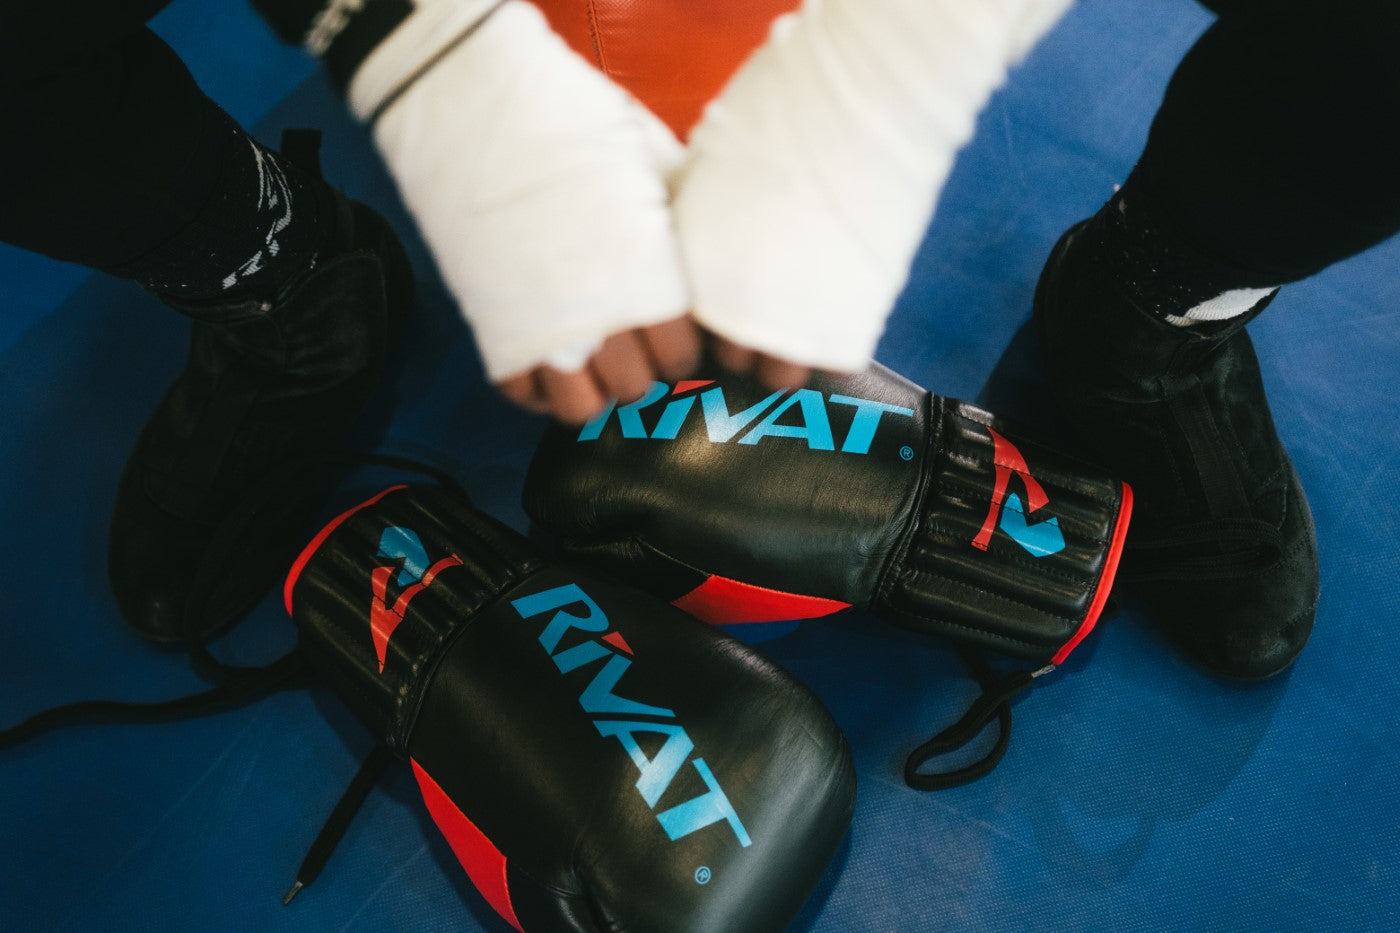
{"points": [[1110, 504], [979, 636], [900, 552], [913, 574], [1014, 556], [410, 705]]}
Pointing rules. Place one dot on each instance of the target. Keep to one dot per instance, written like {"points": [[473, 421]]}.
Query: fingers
{"points": [[572, 397], [626, 364], [623, 368], [733, 356], [674, 347], [773, 372], [524, 390], [780, 374]]}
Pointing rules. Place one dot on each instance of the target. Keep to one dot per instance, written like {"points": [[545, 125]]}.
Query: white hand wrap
{"points": [[814, 174], [537, 183]]}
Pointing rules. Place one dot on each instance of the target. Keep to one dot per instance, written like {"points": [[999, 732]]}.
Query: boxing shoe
{"points": [[268, 381], [1222, 549]]}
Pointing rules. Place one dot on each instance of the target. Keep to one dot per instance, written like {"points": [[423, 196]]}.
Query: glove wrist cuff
{"points": [[391, 550], [1015, 546]]}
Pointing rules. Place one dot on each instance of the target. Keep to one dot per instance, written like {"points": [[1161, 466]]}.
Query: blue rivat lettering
{"points": [[557, 598], [585, 652], [815, 428], [865, 421], [669, 425], [722, 425], [719, 423], [710, 807], [629, 416], [598, 696], [656, 773]]}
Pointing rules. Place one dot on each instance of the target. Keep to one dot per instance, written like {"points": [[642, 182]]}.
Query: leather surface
{"points": [[1002, 570], [864, 489], [634, 769], [730, 495]]}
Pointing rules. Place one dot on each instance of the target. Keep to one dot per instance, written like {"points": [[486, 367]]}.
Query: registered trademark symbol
{"points": [[702, 875], [906, 452]]}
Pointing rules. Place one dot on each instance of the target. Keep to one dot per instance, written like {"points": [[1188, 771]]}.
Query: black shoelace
{"points": [[235, 686], [993, 701], [333, 829]]}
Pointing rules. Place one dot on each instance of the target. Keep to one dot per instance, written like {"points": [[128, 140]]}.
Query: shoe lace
{"points": [[235, 686], [994, 701]]}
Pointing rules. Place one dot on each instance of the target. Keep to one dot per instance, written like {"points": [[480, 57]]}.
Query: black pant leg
{"points": [[111, 147], [1276, 146]]}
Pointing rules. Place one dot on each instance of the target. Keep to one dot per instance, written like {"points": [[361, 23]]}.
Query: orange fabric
{"points": [[672, 55]]}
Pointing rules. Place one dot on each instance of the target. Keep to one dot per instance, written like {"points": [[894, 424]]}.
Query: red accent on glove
{"points": [[484, 863], [721, 601]]}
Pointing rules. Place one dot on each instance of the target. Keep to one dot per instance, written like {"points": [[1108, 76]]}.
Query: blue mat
{"points": [[1138, 794]]}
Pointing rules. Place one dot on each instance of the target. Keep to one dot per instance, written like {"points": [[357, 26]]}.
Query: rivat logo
{"points": [[1040, 539], [618, 716], [756, 422], [414, 575]]}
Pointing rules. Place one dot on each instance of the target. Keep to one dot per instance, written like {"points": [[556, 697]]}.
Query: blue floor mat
{"points": [[1138, 794]]}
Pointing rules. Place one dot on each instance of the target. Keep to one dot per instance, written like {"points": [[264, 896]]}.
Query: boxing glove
{"points": [[741, 504], [596, 759]]}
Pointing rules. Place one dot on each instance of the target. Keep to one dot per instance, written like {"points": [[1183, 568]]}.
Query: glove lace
{"points": [[235, 686], [994, 701]]}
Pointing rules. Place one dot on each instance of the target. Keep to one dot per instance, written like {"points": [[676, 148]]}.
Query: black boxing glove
{"points": [[741, 504], [597, 759]]}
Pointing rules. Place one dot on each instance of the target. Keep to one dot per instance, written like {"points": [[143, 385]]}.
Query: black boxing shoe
{"points": [[1222, 549], [268, 382]]}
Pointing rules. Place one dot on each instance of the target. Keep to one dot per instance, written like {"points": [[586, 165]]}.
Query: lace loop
{"points": [[993, 701]]}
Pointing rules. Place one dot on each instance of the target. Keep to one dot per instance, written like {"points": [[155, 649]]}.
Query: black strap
{"points": [[333, 830], [342, 35], [1218, 550], [994, 700]]}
